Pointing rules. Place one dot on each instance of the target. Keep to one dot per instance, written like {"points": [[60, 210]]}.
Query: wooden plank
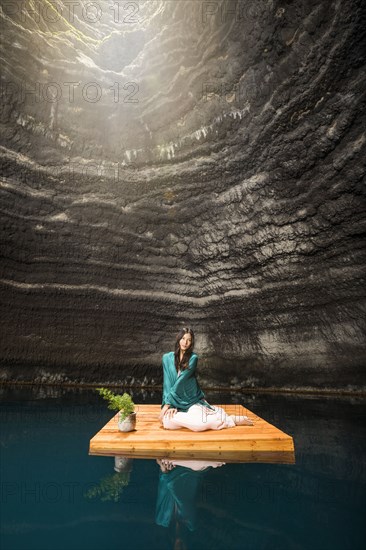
{"points": [[261, 442]]}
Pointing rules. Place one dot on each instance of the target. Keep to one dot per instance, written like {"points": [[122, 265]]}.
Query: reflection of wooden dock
{"points": [[261, 442]]}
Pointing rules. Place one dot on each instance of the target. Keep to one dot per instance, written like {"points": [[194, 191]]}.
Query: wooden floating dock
{"points": [[261, 442]]}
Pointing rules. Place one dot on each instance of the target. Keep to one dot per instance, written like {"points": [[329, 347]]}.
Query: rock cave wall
{"points": [[183, 162]]}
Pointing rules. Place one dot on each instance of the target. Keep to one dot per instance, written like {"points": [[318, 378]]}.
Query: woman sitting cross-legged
{"points": [[184, 404]]}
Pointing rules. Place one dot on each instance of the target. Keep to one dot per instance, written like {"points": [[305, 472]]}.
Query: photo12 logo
{"points": [[223, 12], [72, 11], [54, 92]]}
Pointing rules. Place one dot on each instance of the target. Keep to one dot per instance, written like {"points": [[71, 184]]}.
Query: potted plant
{"points": [[123, 404]]}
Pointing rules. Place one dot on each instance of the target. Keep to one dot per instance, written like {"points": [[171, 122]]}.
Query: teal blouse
{"points": [[183, 391]]}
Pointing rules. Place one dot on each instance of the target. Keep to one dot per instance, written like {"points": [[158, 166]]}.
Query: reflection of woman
{"points": [[178, 484], [183, 403]]}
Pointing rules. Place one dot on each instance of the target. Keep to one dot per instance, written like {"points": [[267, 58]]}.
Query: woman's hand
{"points": [[167, 412], [162, 412], [170, 413], [165, 465]]}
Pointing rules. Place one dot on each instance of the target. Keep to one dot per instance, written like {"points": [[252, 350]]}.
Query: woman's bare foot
{"points": [[242, 420]]}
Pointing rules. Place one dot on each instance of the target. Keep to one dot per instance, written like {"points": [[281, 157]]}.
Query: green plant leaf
{"points": [[117, 402]]}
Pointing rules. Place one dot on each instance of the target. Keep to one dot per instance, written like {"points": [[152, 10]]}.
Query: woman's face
{"points": [[185, 342]]}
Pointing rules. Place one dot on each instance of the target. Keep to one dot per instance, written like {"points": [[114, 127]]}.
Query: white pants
{"points": [[199, 418]]}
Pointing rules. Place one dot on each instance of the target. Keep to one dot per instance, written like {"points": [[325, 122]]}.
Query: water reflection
{"points": [[111, 487], [178, 486], [179, 481]]}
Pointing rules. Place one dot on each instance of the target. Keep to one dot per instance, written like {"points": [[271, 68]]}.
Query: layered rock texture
{"points": [[183, 162]]}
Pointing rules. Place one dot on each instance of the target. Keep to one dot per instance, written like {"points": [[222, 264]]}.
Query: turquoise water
{"points": [[55, 496]]}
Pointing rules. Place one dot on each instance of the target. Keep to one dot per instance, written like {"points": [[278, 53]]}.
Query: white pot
{"points": [[128, 424]]}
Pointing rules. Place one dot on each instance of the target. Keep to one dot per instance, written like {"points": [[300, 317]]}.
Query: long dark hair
{"points": [[182, 365]]}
